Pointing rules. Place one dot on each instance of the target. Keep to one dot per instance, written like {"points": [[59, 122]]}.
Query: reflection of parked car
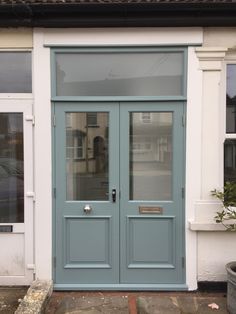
{"points": [[11, 190]]}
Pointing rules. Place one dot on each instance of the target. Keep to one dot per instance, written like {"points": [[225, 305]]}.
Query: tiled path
{"points": [[136, 303]]}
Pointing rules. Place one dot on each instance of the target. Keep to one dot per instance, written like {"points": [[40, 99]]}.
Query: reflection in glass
{"points": [[15, 74], [230, 160], [119, 74], [11, 168], [87, 155], [231, 99], [151, 156]]}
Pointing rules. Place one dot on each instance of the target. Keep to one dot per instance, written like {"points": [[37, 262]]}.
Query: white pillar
{"points": [[43, 159], [211, 63]]}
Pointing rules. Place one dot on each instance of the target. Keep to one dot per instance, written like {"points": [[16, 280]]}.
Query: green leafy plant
{"points": [[227, 217]]}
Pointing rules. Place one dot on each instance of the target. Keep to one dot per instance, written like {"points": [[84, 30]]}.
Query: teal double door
{"points": [[119, 208]]}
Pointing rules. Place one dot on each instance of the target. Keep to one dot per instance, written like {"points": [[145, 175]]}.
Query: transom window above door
{"points": [[119, 72]]}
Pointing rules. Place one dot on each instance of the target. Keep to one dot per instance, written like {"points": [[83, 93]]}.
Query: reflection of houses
{"points": [[152, 137], [150, 155], [86, 153]]}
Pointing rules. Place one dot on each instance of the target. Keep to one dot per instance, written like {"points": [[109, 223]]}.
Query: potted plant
{"points": [[227, 217]]}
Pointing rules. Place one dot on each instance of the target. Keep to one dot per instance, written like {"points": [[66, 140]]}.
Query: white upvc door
{"points": [[16, 235]]}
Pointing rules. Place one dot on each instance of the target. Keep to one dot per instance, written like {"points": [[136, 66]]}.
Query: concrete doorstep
{"points": [[36, 298]]}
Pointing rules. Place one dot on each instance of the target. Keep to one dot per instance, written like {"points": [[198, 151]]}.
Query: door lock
{"points": [[113, 195]]}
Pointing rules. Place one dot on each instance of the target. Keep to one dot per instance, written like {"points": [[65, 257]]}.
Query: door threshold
{"points": [[134, 287]]}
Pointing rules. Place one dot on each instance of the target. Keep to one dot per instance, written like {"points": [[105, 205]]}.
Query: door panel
{"points": [[86, 172], [119, 209], [151, 215]]}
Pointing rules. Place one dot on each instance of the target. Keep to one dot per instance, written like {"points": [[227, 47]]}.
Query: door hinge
{"points": [[183, 192], [30, 119], [54, 261], [54, 120], [32, 267], [31, 194], [183, 262], [183, 120], [54, 192]]}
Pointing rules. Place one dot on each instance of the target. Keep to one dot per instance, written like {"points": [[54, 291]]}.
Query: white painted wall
{"points": [[215, 247], [43, 158], [14, 38]]}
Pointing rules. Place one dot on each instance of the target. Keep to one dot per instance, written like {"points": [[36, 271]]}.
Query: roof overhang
{"points": [[117, 14]]}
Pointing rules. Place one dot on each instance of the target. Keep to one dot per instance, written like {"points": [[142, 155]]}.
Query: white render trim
{"points": [[16, 96], [212, 65], [193, 173], [200, 226], [230, 136], [211, 57], [43, 158], [124, 36]]}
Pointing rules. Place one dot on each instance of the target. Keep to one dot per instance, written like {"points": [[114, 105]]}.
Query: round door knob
{"points": [[87, 209]]}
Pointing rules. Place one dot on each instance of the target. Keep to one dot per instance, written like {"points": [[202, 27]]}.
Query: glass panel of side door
{"points": [[87, 155], [11, 168]]}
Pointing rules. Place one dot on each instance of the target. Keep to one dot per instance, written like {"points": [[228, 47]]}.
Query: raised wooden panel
{"points": [[150, 242], [87, 242]]}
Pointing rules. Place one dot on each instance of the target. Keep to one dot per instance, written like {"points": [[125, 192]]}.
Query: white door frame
{"points": [[22, 232]]}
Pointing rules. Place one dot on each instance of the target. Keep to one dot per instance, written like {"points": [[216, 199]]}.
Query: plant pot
{"points": [[231, 287]]}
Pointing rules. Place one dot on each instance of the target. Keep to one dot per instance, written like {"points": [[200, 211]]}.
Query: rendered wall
{"points": [[215, 247], [16, 38]]}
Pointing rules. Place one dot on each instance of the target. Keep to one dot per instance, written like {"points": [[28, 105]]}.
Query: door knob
{"points": [[87, 209]]}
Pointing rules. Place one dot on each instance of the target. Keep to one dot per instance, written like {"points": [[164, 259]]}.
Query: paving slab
{"points": [[10, 298], [89, 305], [180, 305]]}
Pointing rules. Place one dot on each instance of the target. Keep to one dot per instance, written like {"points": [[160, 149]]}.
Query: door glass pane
{"points": [[15, 74], [87, 155], [119, 74], [11, 168], [151, 156]]}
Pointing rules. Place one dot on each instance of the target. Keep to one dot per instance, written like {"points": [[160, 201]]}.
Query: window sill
{"points": [[205, 226]]}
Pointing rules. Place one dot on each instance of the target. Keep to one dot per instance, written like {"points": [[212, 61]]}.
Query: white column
{"points": [[43, 160], [193, 161], [211, 63], [210, 260]]}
